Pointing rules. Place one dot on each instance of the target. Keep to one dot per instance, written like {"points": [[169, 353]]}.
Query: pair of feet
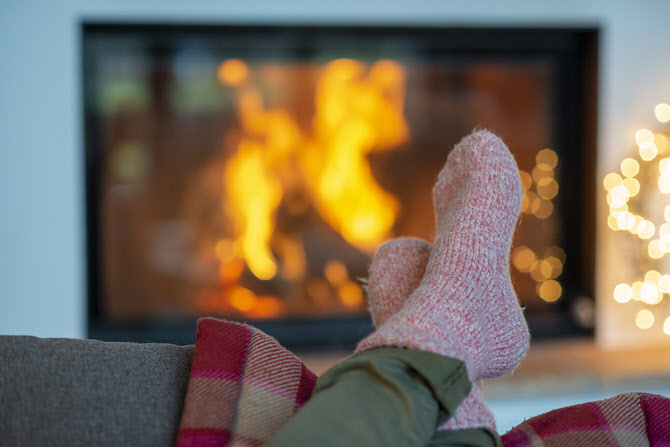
{"points": [[455, 298]]}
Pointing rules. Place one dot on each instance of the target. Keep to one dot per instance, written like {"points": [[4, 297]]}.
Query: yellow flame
{"points": [[254, 196], [357, 111], [356, 114]]}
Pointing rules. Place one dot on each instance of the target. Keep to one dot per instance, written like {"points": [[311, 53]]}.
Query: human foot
{"points": [[396, 270], [465, 306]]}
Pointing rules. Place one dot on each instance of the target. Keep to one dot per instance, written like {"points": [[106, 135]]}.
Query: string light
{"points": [[662, 112], [624, 193]]}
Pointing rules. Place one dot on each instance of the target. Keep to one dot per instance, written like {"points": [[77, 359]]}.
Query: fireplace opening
{"points": [[250, 173]]}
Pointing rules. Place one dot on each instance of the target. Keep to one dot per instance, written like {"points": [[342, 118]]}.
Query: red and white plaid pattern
{"points": [[243, 386], [628, 420]]}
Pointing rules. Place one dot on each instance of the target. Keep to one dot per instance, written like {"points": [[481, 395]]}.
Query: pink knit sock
{"points": [[395, 273], [465, 306]]}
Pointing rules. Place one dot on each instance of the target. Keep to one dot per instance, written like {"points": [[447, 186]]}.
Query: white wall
{"points": [[42, 264]]}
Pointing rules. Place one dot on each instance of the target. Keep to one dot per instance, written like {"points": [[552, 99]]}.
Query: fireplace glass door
{"points": [[250, 173]]}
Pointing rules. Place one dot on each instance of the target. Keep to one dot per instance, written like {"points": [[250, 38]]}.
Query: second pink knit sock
{"points": [[395, 273], [465, 306]]}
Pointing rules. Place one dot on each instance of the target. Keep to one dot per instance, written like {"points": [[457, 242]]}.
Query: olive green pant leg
{"points": [[384, 397]]}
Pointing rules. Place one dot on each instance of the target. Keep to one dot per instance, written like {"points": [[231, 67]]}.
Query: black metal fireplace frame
{"points": [[575, 51]]}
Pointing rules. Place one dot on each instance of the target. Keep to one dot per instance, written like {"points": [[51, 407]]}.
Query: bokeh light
{"points": [[662, 112], [644, 319]]}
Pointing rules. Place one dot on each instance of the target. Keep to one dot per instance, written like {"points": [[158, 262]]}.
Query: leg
{"points": [[463, 308], [383, 397]]}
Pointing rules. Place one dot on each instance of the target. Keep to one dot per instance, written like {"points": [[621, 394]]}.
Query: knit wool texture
{"points": [[465, 306], [395, 272]]}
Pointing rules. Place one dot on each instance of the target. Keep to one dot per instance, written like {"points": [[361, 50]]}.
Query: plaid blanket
{"points": [[631, 419], [243, 386]]}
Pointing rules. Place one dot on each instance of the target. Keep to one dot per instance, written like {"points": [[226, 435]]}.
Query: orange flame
{"points": [[357, 111]]}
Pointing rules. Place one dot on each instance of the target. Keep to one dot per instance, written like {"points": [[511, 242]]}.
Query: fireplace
{"points": [[250, 172]]}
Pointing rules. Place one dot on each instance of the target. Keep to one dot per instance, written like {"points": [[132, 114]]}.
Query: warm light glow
{"points": [[666, 326], [230, 271], [644, 319], [648, 151], [664, 284], [546, 158], [630, 167], [351, 294], [556, 252], [613, 223], [654, 249], [644, 136], [232, 72], [646, 230], [525, 203], [636, 225], [267, 307], [550, 291], [292, 253], [649, 293], [556, 266], [664, 184], [612, 180], [664, 231], [637, 287], [652, 276], [541, 270], [335, 272], [662, 112], [526, 180], [632, 185], [225, 250], [666, 213], [539, 172], [534, 202], [664, 166], [662, 143], [547, 188], [624, 220], [618, 196], [623, 293], [523, 258], [544, 210], [242, 299]]}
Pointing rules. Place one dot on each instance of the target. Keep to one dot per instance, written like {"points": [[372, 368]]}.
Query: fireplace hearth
{"points": [[250, 172]]}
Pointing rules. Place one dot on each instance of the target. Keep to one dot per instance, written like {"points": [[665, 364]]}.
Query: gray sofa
{"points": [[86, 392]]}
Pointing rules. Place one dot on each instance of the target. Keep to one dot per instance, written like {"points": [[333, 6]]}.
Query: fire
{"points": [[253, 198], [357, 112]]}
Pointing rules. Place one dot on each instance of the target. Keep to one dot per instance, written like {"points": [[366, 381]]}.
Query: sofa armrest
{"points": [[87, 392]]}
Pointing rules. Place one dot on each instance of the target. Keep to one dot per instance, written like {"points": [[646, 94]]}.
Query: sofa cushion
{"points": [[88, 392]]}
